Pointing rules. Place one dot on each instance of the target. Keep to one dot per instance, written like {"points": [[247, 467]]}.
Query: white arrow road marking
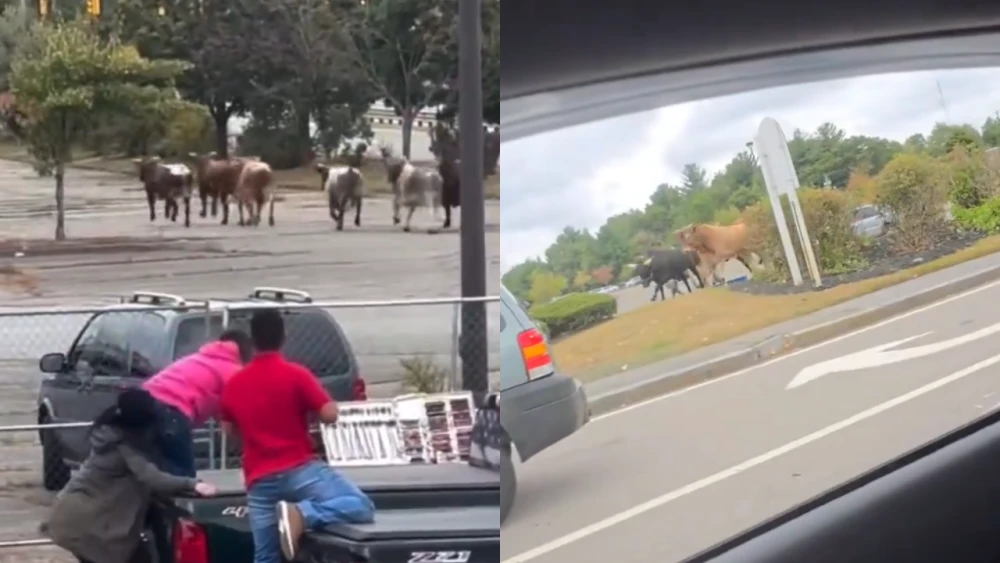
{"points": [[877, 356]]}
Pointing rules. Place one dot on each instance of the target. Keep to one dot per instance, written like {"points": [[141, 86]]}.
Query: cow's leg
{"points": [[151, 199], [357, 212], [395, 211], [744, 262], [697, 276], [203, 194], [270, 211], [215, 204], [239, 207], [187, 211], [225, 208], [686, 284], [341, 211], [409, 217]]}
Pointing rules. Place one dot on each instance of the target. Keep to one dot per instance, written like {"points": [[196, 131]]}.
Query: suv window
{"points": [[103, 345], [311, 339], [145, 335]]}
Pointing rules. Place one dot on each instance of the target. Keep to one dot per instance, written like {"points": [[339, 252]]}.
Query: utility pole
{"points": [[473, 344]]}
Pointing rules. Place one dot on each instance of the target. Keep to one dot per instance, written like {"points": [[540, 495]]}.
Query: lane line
{"points": [[696, 486], [790, 355]]}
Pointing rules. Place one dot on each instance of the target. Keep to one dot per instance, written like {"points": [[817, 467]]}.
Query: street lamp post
{"points": [[473, 345]]}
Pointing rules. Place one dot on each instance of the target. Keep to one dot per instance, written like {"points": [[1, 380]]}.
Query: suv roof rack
{"points": [[280, 294], [154, 298]]}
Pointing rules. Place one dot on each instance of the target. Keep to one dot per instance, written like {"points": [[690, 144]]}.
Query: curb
{"points": [[782, 344]]}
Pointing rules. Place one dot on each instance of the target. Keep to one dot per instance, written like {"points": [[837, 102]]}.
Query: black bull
{"points": [[666, 265]]}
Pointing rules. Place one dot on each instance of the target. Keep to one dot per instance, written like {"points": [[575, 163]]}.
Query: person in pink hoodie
{"points": [[188, 393]]}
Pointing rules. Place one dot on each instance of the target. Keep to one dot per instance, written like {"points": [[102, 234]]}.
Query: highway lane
{"points": [[660, 481]]}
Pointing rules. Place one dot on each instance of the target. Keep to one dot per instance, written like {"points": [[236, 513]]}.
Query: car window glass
{"points": [[102, 348], [311, 340], [145, 335], [191, 335]]}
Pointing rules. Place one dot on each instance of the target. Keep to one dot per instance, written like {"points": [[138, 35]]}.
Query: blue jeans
{"points": [[175, 442], [322, 494]]}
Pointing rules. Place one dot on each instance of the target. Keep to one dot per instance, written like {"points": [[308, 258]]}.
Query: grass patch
{"points": [[299, 179], [670, 328]]}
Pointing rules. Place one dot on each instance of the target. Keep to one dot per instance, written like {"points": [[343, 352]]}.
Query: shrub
{"points": [[828, 216], [421, 375], [984, 218], [861, 187], [189, 129], [913, 188], [971, 181], [574, 312], [726, 216]]}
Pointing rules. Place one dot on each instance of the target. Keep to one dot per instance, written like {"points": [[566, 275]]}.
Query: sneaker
{"points": [[291, 526]]}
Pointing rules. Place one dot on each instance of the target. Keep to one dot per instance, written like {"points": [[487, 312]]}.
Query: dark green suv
{"points": [[118, 349]]}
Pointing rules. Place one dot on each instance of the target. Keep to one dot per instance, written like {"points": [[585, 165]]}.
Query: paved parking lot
{"points": [[375, 262]]}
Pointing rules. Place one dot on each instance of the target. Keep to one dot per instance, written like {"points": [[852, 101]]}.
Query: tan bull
{"points": [[715, 244]]}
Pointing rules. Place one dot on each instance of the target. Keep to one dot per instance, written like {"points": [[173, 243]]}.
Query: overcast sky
{"points": [[582, 175]]}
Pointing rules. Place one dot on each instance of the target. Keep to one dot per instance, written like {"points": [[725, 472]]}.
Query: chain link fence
{"points": [[60, 367]]}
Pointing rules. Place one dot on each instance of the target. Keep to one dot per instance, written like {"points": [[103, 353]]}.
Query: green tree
{"points": [[406, 52], [991, 132], [204, 34], [694, 178], [71, 79], [517, 280], [545, 286], [944, 137]]}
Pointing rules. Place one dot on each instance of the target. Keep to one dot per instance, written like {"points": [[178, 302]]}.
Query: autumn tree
{"points": [[71, 79], [603, 275]]}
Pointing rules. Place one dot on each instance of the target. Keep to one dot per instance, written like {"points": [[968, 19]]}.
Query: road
{"points": [[375, 262], [665, 479]]}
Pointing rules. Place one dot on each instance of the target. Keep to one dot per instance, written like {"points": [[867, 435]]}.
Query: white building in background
{"points": [[387, 127]]}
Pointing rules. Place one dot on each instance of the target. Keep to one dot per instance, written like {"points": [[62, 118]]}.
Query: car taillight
{"points": [[359, 389], [535, 351], [190, 543]]}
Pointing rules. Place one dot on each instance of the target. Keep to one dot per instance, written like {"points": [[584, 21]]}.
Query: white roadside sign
{"points": [[882, 355]]}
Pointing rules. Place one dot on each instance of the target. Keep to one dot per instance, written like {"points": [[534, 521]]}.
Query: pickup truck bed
{"points": [[405, 486], [439, 535], [447, 513]]}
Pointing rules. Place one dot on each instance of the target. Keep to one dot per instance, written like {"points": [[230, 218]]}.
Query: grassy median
{"points": [[673, 327], [299, 179]]}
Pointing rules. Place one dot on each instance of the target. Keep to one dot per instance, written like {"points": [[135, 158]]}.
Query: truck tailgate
{"points": [[420, 535]]}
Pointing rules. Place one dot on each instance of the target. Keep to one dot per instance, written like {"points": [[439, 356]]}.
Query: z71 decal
{"points": [[440, 557]]}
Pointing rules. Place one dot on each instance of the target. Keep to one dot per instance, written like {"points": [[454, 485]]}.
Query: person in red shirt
{"points": [[268, 406]]}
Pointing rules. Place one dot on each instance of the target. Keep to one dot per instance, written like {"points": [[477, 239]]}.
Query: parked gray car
{"points": [[539, 405], [870, 221]]}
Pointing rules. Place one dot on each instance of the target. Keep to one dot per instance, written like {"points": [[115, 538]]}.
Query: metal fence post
{"points": [[454, 381]]}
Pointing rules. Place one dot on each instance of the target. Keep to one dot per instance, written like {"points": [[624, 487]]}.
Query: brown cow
{"points": [[715, 244], [166, 182], [208, 168], [218, 179], [254, 188]]}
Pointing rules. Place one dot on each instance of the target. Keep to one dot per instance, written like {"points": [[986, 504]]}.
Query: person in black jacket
{"points": [[99, 517]]}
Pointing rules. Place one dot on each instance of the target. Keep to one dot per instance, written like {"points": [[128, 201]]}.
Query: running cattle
{"points": [[254, 189], [344, 187], [166, 182], [664, 266], [412, 187], [715, 244]]}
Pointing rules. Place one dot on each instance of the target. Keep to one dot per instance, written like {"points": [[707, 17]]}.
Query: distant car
{"points": [[117, 350], [540, 405], [870, 221]]}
